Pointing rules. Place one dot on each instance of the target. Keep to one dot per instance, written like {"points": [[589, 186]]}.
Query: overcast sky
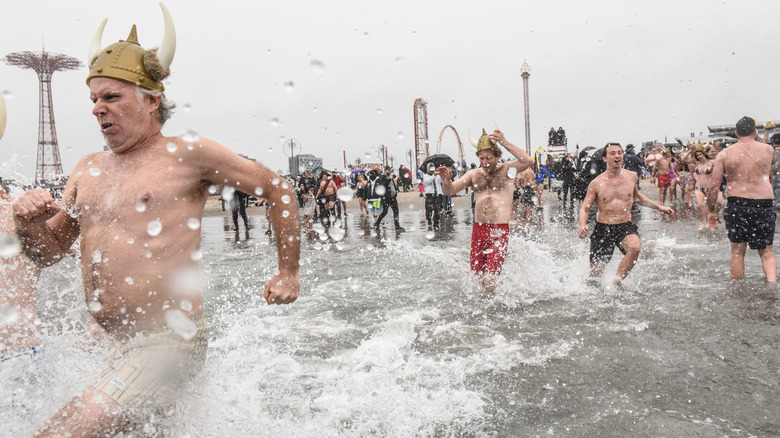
{"points": [[343, 75]]}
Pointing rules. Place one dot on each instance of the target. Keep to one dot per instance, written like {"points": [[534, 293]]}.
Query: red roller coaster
{"points": [[457, 137]]}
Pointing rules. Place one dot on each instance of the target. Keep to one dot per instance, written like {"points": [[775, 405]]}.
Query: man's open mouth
{"points": [[106, 125]]}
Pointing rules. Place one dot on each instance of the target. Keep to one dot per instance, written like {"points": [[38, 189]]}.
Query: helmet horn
{"points": [[471, 139], [95, 45], [168, 44]]}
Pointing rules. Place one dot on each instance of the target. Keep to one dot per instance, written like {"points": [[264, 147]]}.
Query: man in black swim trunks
{"points": [[613, 192], [749, 216]]}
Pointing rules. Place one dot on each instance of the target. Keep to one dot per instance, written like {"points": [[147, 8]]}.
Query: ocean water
{"points": [[391, 337]]}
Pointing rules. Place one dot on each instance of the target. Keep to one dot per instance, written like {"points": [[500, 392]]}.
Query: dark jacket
{"points": [[391, 189]]}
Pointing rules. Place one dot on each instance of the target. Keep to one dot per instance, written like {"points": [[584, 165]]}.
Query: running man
{"points": [[493, 186], [137, 208], [749, 216], [613, 193]]}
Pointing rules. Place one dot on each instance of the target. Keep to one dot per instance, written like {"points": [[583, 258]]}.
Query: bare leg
{"points": [[90, 414], [701, 209], [738, 259], [662, 195], [596, 269], [631, 245], [768, 263]]}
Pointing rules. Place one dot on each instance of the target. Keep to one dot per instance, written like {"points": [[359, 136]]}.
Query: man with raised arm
{"points": [[613, 192], [493, 184], [137, 208], [749, 215]]}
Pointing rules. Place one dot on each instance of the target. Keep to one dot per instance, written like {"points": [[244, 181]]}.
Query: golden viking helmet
{"points": [[484, 140], [2, 115], [126, 60]]}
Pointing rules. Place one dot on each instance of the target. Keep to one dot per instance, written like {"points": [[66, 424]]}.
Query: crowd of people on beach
{"points": [[132, 245]]}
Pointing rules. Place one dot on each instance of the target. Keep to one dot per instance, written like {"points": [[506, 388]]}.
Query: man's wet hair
{"points": [[746, 126], [604, 151], [495, 149]]}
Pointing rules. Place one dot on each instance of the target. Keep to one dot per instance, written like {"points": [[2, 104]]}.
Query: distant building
{"points": [[303, 162]]}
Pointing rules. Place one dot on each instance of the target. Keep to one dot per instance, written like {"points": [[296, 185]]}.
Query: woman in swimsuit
{"points": [[674, 174], [361, 189], [712, 152], [702, 176]]}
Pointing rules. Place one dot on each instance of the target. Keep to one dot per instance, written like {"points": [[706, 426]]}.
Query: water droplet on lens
{"points": [[9, 245], [187, 107], [190, 136], [94, 171], [171, 146], [275, 181], [140, 207], [227, 193], [193, 223], [130, 240], [95, 306], [7, 94], [286, 199], [319, 228], [345, 194], [400, 135], [128, 280], [275, 122], [380, 190], [179, 323], [379, 111], [511, 172], [430, 235], [285, 213], [96, 256], [154, 228], [258, 191], [196, 256], [213, 189], [186, 305], [289, 86], [317, 66]]}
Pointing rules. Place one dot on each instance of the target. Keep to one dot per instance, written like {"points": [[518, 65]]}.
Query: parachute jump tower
{"points": [[420, 131], [48, 167]]}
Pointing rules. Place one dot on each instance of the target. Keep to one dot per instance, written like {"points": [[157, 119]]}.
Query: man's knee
{"points": [[632, 245]]}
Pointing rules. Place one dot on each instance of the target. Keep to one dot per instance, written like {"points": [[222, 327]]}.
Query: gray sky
{"points": [[622, 71]]}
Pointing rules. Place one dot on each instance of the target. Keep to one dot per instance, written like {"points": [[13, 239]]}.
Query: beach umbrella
{"points": [[438, 160]]}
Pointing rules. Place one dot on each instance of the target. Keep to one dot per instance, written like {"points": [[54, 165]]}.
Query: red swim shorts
{"points": [[664, 180], [489, 243]]}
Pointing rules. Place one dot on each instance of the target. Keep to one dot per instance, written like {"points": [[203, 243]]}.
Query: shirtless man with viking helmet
{"points": [[493, 183], [137, 208]]}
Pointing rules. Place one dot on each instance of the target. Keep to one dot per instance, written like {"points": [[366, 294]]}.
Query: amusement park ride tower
{"points": [[48, 167], [526, 73], [420, 131]]}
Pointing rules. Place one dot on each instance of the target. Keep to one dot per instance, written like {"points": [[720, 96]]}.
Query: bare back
{"points": [[747, 166]]}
